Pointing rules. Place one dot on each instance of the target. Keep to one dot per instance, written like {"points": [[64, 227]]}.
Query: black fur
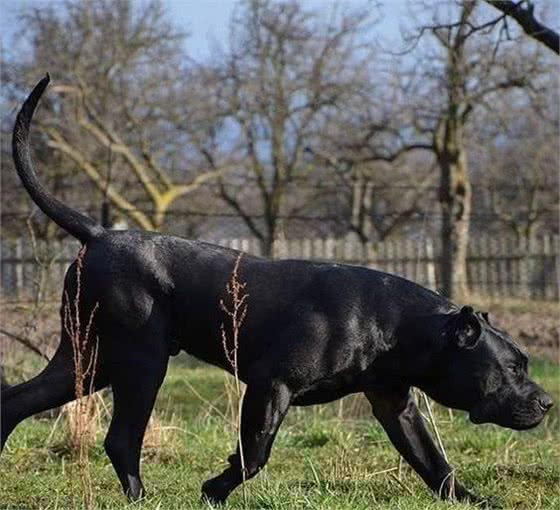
{"points": [[314, 332]]}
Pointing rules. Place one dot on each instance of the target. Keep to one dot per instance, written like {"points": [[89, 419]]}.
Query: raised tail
{"points": [[75, 223]]}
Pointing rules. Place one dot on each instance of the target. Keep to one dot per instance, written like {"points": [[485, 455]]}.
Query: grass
{"points": [[326, 457]]}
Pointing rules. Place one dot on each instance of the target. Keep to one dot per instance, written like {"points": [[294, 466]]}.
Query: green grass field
{"points": [[327, 457]]}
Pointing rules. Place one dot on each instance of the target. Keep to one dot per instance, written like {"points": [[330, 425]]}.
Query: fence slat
{"points": [[496, 266]]}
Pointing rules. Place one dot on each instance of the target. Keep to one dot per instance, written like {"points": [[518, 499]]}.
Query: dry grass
{"points": [[235, 310], [83, 413]]}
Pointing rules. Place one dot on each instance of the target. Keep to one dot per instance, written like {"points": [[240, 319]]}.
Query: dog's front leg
{"points": [[264, 407], [399, 416]]}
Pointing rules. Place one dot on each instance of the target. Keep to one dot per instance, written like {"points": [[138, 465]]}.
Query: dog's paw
{"points": [[214, 492], [209, 501], [463, 494], [135, 491]]}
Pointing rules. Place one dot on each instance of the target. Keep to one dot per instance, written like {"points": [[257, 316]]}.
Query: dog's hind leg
{"points": [[135, 378], [264, 408], [53, 387]]}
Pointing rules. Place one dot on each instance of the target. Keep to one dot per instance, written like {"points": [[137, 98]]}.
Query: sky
{"points": [[205, 20]]}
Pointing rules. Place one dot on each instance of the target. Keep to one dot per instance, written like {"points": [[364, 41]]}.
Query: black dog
{"points": [[315, 332]]}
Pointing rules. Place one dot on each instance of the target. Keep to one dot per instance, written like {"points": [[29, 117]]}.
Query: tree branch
{"points": [[26, 342], [236, 206], [526, 19], [56, 141]]}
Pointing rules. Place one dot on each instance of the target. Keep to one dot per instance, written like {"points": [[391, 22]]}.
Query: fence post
{"points": [[430, 265], [556, 267], [19, 267], [330, 249], [5, 252], [306, 248], [503, 273], [414, 257], [523, 256], [546, 268], [473, 265], [339, 249], [532, 265]]}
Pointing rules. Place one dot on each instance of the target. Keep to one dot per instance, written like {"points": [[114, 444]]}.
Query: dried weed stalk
{"points": [[432, 421], [82, 415], [235, 309]]}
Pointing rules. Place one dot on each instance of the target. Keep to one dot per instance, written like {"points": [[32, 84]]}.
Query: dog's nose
{"points": [[545, 402]]}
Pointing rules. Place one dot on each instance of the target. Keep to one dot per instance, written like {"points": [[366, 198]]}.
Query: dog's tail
{"points": [[75, 223]]}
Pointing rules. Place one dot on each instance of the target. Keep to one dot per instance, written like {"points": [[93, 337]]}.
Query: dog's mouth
{"points": [[515, 421]]}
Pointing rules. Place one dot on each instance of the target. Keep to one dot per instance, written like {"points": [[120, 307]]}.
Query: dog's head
{"points": [[481, 370]]}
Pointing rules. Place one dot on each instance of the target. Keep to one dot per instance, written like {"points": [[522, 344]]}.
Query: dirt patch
{"points": [[538, 333]]}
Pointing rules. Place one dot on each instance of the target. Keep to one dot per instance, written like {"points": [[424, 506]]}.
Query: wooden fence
{"points": [[496, 266]]}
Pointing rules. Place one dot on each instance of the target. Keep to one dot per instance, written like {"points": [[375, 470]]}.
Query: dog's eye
{"points": [[516, 368]]}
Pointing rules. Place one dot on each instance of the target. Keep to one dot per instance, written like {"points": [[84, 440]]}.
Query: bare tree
{"points": [[458, 68], [118, 70], [375, 196], [516, 152], [285, 68]]}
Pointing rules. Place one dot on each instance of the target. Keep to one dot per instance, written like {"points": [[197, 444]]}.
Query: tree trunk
{"points": [[269, 233], [3, 381], [449, 146], [266, 246], [362, 197], [455, 200]]}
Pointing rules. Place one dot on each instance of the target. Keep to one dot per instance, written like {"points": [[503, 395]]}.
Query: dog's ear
{"points": [[486, 317], [465, 328]]}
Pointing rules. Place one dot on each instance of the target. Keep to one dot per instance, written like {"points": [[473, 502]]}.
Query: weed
{"points": [[82, 415], [235, 311]]}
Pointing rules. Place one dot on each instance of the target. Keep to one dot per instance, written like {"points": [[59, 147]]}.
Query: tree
{"points": [[285, 68], [374, 196], [118, 70], [524, 13], [516, 148], [456, 68]]}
